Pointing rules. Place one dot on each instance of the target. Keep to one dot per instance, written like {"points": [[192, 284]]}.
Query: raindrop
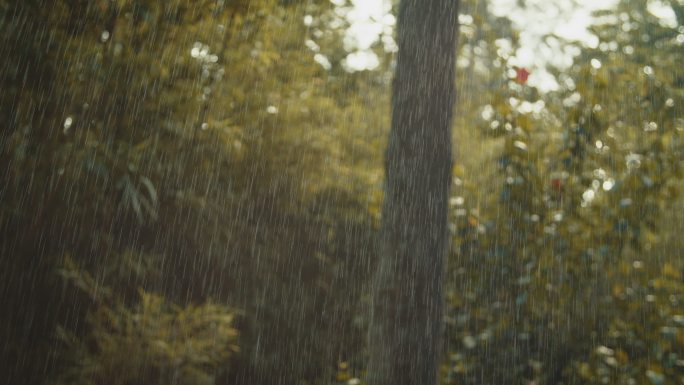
{"points": [[595, 63], [308, 20], [611, 361], [588, 195], [600, 173], [67, 123], [608, 184], [104, 36], [572, 99], [196, 49], [605, 351], [648, 70], [650, 126], [465, 19], [520, 145], [487, 112], [204, 126], [633, 161], [456, 201], [469, 342], [310, 44], [323, 61], [595, 184], [272, 109], [669, 102]]}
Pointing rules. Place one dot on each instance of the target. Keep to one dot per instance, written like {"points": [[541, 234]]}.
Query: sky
{"points": [[570, 20]]}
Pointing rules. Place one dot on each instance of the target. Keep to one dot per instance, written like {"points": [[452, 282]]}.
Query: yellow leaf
{"points": [[670, 271]]}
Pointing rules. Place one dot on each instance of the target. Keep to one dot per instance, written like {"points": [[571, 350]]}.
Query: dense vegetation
{"points": [[190, 193]]}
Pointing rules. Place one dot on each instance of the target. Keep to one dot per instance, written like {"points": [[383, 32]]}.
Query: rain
{"points": [[341, 192]]}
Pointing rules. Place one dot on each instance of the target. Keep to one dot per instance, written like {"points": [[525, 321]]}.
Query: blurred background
{"points": [[190, 191]]}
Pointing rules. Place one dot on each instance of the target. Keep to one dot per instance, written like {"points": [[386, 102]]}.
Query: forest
{"points": [[196, 192]]}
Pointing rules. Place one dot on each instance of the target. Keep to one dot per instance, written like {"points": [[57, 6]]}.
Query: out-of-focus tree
{"points": [[406, 328]]}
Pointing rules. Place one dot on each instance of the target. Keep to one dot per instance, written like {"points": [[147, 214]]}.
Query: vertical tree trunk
{"points": [[406, 326]]}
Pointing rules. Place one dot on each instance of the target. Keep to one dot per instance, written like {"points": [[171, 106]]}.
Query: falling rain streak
{"points": [[221, 192]]}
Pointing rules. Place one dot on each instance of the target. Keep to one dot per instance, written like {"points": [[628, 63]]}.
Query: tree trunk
{"points": [[406, 326]]}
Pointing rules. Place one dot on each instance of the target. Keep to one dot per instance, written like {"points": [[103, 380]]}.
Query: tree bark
{"points": [[406, 321]]}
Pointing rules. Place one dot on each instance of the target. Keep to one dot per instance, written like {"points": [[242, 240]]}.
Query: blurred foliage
{"points": [[191, 149], [152, 343], [644, 344], [184, 177], [587, 171]]}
